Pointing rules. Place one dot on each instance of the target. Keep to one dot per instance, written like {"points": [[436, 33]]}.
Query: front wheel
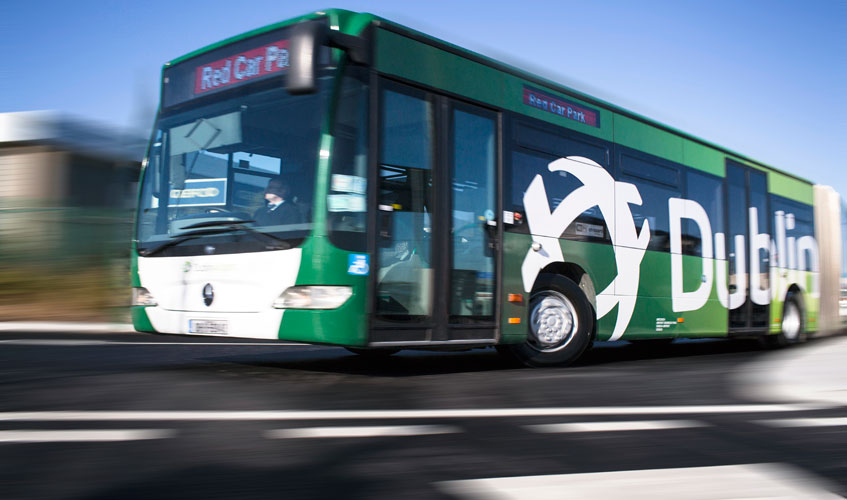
{"points": [[560, 324]]}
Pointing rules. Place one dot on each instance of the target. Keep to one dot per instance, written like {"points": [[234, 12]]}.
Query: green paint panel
{"points": [[405, 58], [140, 321], [812, 304], [654, 315], [649, 139], [696, 155], [323, 264], [134, 279], [515, 247]]}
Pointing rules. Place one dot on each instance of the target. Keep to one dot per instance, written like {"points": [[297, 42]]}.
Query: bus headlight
{"points": [[142, 297], [313, 297]]}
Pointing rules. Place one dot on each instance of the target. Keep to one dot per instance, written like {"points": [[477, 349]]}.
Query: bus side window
{"points": [[656, 183], [533, 151], [707, 190]]}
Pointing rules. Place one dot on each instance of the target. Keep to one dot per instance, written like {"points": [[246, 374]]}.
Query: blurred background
{"points": [[67, 197], [763, 78]]}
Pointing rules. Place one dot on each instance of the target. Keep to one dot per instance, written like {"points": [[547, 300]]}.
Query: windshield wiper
{"points": [[216, 228], [179, 239], [281, 244], [217, 222]]}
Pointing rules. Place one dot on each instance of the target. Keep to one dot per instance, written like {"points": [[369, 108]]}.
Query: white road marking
{"points": [[362, 431], [69, 326], [72, 343], [206, 415], [87, 435], [636, 425], [806, 422], [749, 481]]}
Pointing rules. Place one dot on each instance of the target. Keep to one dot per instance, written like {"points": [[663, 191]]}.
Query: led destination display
{"points": [[558, 106], [241, 68], [238, 64]]}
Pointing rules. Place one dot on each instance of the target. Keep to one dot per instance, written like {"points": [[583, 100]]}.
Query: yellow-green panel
{"points": [[646, 138], [790, 188], [710, 160]]}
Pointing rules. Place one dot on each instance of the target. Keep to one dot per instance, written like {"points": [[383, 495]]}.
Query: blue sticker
{"points": [[358, 264]]}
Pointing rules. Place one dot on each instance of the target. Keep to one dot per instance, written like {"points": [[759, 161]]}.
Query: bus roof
{"points": [[354, 22]]}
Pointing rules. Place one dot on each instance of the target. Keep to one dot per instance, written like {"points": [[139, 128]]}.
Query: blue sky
{"points": [[764, 78]]}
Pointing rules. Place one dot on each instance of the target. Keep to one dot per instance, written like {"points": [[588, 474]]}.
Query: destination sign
{"points": [[237, 64], [561, 107], [242, 67]]}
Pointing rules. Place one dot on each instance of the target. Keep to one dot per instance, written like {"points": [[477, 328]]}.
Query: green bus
{"points": [[341, 179]]}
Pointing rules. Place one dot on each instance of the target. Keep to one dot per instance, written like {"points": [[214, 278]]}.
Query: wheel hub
{"points": [[552, 322]]}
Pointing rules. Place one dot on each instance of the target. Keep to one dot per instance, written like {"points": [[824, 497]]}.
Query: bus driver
{"points": [[279, 207]]}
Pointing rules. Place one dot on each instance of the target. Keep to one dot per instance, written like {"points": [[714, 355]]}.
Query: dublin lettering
{"points": [[253, 64]]}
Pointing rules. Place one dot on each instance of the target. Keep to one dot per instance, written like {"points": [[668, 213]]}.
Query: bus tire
{"points": [[792, 327], [561, 322], [373, 353]]}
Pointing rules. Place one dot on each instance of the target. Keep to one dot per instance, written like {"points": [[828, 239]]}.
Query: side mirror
{"points": [[305, 43]]}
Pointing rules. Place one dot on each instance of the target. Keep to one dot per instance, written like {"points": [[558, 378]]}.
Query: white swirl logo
{"points": [[613, 199]]}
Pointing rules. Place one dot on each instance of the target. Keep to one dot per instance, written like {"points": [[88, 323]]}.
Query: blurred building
{"points": [[67, 193]]}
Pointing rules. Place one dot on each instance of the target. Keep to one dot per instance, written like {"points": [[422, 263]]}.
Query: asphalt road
{"points": [[105, 416]]}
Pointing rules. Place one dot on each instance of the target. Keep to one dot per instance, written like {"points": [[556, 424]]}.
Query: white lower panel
{"points": [[260, 325]]}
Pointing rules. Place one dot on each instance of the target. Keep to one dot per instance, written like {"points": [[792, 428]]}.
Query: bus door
{"points": [[436, 260], [748, 260]]}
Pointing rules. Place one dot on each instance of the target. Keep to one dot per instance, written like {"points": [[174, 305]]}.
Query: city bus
{"points": [[341, 179]]}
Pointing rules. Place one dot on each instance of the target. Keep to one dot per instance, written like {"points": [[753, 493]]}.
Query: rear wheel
{"points": [[792, 328], [560, 324]]}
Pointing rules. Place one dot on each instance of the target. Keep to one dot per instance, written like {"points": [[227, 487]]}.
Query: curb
{"points": [[813, 373]]}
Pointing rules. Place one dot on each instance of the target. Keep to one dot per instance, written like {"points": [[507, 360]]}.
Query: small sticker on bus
{"points": [[593, 230], [358, 264], [349, 184]]}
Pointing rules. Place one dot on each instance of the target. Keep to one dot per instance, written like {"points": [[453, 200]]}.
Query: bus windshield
{"points": [[245, 161]]}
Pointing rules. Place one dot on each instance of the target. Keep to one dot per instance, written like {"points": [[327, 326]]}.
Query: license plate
{"points": [[219, 327]]}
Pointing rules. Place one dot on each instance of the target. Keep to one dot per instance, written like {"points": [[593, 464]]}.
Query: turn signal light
{"points": [[516, 298], [514, 321]]}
